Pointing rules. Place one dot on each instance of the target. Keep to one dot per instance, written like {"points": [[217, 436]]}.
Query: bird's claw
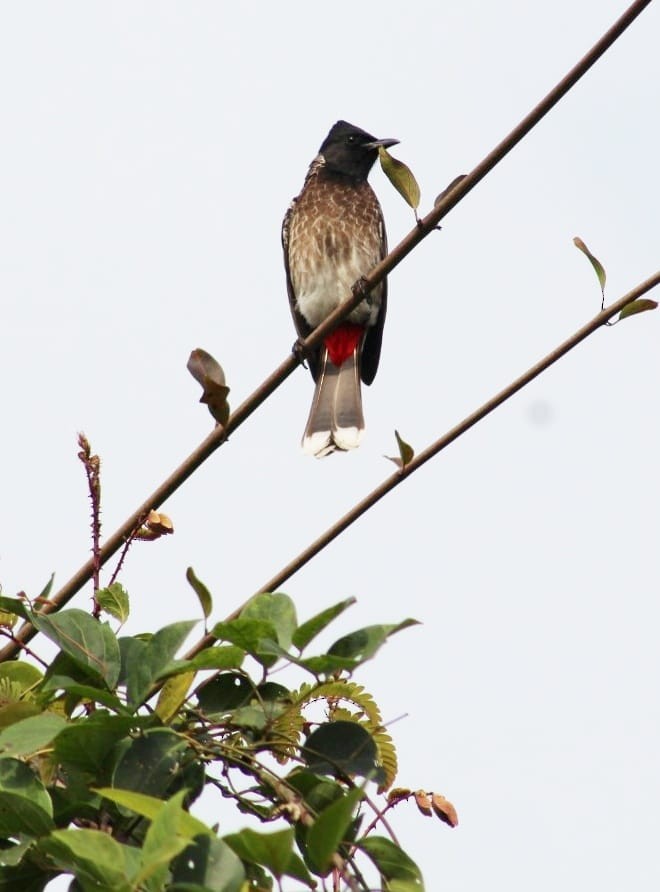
{"points": [[300, 352]]}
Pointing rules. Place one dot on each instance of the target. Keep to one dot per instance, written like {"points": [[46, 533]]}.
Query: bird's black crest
{"points": [[348, 150]]}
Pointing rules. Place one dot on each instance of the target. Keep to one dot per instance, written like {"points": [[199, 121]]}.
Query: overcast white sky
{"points": [[149, 151]]}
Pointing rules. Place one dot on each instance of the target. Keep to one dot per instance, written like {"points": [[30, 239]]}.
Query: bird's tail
{"points": [[335, 419]]}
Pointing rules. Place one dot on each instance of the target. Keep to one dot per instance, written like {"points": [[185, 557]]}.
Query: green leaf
{"points": [[248, 635], [20, 673], [114, 600], [150, 807], [203, 594], [30, 735], [406, 452], [15, 606], [217, 657], [310, 629], [26, 877], [225, 692], [44, 594], [143, 662], [86, 744], [326, 664], [364, 643], [162, 843], [25, 806], [154, 763], [13, 855], [93, 857], [637, 306], [342, 749], [209, 865], [597, 265], [249, 717], [400, 176], [277, 609], [16, 712], [84, 692], [397, 868], [271, 850], [90, 643], [329, 829]]}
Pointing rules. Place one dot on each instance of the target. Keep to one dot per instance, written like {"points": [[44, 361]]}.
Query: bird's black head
{"points": [[350, 151]]}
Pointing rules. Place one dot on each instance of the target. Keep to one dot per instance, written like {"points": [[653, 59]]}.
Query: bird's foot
{"points": [[361, 287], [300, 353]]}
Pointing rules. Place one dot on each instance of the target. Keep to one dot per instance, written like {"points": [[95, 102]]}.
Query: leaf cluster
{"points": [[103, 754]]}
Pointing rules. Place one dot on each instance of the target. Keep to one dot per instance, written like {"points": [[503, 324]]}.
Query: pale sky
{"points": [[149, 152]]}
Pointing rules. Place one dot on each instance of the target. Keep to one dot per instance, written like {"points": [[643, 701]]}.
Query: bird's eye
{"points": [[351, 139]]}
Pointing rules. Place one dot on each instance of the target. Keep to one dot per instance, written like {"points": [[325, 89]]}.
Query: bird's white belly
{"points": [[328, 282]]}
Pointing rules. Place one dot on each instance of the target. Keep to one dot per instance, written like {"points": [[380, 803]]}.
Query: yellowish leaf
{"points": [[637, 306], [172, 696], [400, 176], [597, 265]]}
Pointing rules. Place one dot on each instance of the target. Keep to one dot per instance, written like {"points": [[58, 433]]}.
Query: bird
{"points": [[333, 234]]}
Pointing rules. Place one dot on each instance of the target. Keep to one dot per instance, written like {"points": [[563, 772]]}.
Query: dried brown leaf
{"points": [[444, 810]]}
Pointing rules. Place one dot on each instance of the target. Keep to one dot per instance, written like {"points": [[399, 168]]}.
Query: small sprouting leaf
{"points": [[400, 176], [637, 306], [155, 526], [208, 372], [114, 600], [597, 265], [448, 189], [203, 594], [398, 794], [423, 802], [406, 452], [444, 810]]}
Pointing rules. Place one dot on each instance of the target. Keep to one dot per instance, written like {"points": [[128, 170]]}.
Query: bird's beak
{"points": [[385, 143]]}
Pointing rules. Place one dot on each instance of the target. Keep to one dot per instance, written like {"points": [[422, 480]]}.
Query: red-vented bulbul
{"points": [[333, 234]]}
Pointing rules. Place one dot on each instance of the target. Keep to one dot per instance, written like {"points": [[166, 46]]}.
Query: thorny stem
{"points": [[426, 225], [24, 647], [92, 465], [127, 544]]}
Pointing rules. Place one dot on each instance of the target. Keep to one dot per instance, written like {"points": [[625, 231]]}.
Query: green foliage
{"points": [[96, 781]]}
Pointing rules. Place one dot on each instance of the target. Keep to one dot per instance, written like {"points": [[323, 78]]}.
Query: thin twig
{"points": [[127, 544], [428, 224]]}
